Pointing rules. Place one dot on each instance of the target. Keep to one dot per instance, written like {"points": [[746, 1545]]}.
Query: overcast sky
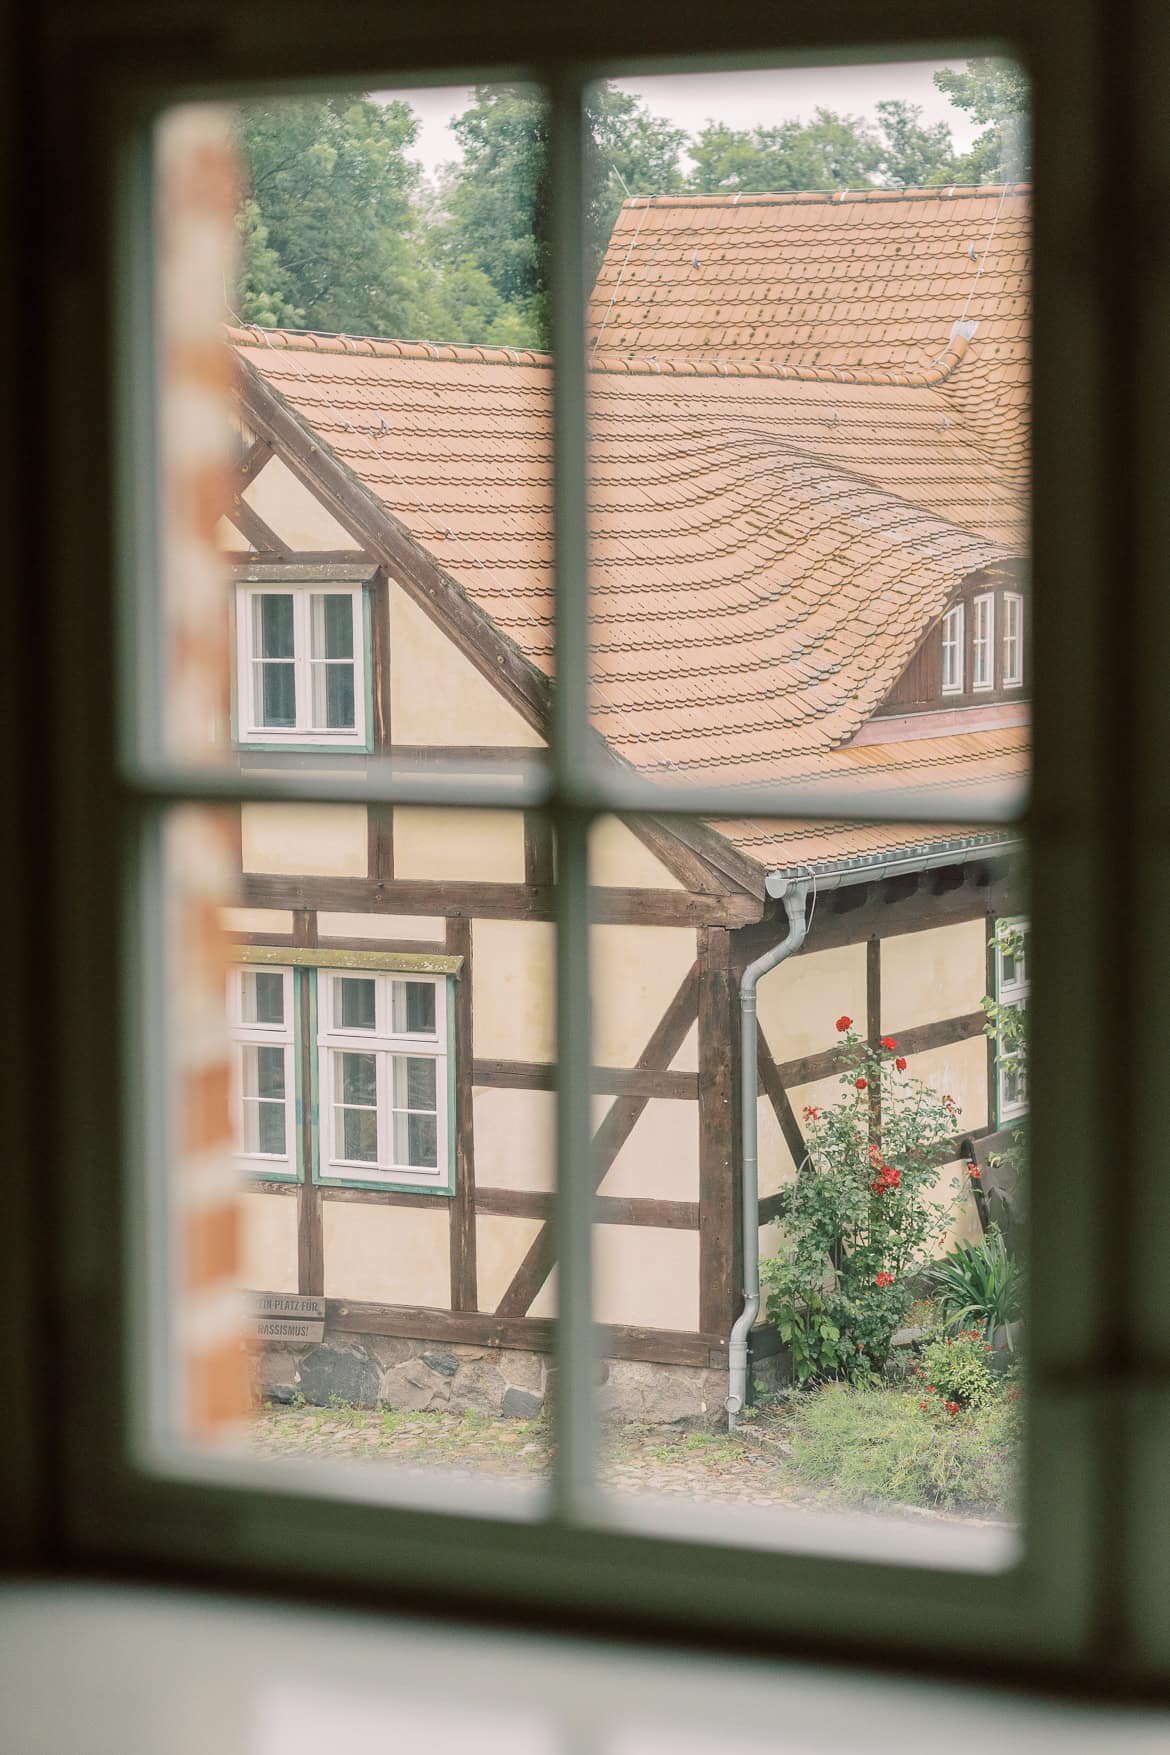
{"points": [[743, 100]]}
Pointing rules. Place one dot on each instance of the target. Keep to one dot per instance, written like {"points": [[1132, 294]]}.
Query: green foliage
{"points": [[954, 1374], [860, 1216], [873, 1444], [995, 93], [980, 1283], [494, 200], [830, 152]]}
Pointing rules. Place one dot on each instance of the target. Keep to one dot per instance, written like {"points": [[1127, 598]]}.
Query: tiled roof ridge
{"points": [[633, 365], [829, 197]]}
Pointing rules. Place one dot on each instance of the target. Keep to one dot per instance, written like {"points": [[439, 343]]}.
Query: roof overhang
{"points": [[872, 867]]}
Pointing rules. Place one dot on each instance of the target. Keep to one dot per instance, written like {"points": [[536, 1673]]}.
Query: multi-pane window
{"points": [[300, 665], [260, 1005], [1012, 988], [953, 632], [1013, 640], [383, 1068], [983, 644]]}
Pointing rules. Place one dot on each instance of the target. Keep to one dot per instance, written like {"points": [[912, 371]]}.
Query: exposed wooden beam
{"points": [[253, 529], [496, 901], [667, 1038], [608, 1209], [873, 1028], [914, 1040], [464, 1283], [772, 1085], [529, 1333], [539, 863], [608, 1081], [720, 1256]]}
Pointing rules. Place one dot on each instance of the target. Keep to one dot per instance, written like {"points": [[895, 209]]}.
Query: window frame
{"points": [[304, 735], [264, 1165], [1086, 1574], [1014, 993], [983, 602], [1013, 610], [954, 643], [330, 1038]]}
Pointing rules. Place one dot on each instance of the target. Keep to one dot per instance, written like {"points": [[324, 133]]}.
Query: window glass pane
{"points": [[264, 1127], [333, 696], [276, 695], [356, 995], [359, 1078], [332, 619], [414, 1082], [414, 1008], [263, 996], [269, 1072], [358, 1135], [274, 618]]}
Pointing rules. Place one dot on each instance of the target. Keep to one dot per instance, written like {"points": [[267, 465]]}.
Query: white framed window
{"points": [[983, 643], [384, 1073], [300, 665], [954, 627], [260, 1010], [1013, 640], [1012, 988]]}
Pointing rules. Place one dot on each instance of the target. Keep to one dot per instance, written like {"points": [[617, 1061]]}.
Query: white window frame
{"points": [[1012, 640], [954, 654], [1013, 992], [983, 642], [249, 730], [387, 1045], [281, 1165]]}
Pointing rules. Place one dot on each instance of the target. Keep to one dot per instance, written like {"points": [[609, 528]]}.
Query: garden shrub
{"points": [[954, 1371], [879, 1444], [860, 1216]]}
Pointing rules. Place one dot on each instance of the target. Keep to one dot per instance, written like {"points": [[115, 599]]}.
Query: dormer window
{"points": [[1013, 640], [301, 670], [953, 643], [983, 644]]}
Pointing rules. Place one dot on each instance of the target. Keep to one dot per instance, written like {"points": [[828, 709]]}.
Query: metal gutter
{"points": [[871, 867]]}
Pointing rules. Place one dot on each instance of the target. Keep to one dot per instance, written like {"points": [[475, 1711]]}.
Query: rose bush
{"points": [[862, 1214]]}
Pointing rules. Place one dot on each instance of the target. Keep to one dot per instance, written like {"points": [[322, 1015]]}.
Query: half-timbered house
{"points": [[808, 497]]}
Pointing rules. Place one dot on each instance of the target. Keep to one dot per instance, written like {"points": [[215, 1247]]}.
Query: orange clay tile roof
{"points": [[796, 460]]}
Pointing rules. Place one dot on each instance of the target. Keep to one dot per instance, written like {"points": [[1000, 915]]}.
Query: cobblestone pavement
{"points": [[698, 1467]]}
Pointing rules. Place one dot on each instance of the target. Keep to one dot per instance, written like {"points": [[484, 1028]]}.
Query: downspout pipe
{"points": [[794, 896]]}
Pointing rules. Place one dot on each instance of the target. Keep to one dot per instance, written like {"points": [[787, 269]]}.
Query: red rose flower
{"points": [[900, 1064], [974, 1172], [888, 1042], [844, 1023], [952, 1408], [884, 1280], [811, 1114], [862, 1084]]}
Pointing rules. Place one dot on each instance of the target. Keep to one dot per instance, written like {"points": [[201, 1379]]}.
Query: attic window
{"points": [[983, 651], [300, 666], [952, 651]]}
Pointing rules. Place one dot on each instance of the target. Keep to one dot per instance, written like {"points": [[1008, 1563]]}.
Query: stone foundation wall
{"points": [[376, 1371]]}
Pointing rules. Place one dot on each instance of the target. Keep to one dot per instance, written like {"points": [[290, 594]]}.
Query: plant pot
{"points": [[1008, 1336]]}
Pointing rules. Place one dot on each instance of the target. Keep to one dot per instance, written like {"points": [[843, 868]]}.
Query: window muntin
{"points": [[385, 1070], [301, 666], [263, 1070], [953, 654], [1013, 640], [983, 642]]}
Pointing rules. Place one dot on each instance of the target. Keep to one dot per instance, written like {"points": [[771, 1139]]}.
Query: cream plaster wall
{"points": [[660, 1160], [800, 1001], [437, 696], [296, 515], [423, 928], [500, 1246], [268, 1242], [618, 858], [513, 964], [940, 973], [467, 846], [388, 1255], [318, 840], [515, 1138], [228, 537], [636, 972], [959, 1071], [256, 919], [646, 1277], [687, 1058]]}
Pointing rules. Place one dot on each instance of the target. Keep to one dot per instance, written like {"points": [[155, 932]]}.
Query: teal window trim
{"points": [[305, 749], [440, 1191]]}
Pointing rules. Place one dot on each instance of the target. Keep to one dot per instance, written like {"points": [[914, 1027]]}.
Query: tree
{"points": [[329, 232], [914, 155], [494, 199], [830, 152], [995, 93]]}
